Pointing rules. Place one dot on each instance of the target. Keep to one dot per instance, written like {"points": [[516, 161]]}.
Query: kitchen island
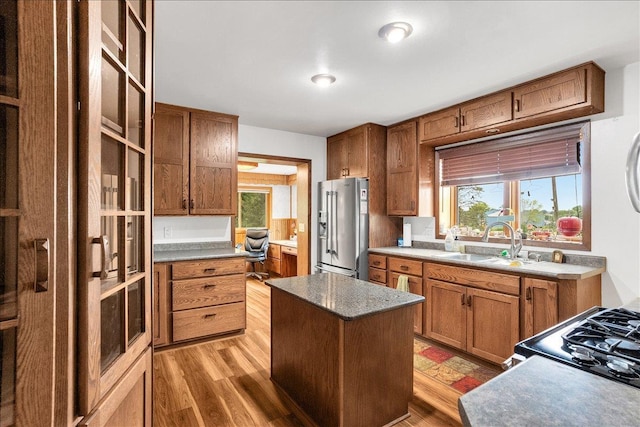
{"points": [[342, 349]]}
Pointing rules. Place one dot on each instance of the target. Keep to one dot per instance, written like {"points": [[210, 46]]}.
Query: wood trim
{"points": [[488, 280]]}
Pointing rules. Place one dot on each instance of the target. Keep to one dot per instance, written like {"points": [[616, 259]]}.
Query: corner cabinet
{"points": [[195, 157], [568, 94], [114, 212], [540, 305], [410, 172]]}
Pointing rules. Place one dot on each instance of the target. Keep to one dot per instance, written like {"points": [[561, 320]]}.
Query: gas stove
{"points": [[601, 341]]}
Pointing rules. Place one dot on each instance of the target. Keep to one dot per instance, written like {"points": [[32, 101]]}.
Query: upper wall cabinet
{"points": [[195, 155], [347, 154], [568, 94]]}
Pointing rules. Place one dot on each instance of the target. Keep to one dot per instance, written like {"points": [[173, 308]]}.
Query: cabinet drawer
{"points": [[378, 276], [476, 278], [377, 261], [195, 293], [405, 266], [208, 267], [273, 251], [274, 265], [201, 322], [289, 250]]}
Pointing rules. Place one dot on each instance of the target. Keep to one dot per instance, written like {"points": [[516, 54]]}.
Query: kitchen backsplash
{"points": [[185, 229], [422, 228]]}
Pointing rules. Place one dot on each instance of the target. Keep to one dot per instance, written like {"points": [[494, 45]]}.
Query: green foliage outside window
{"points": [[252, 210]]}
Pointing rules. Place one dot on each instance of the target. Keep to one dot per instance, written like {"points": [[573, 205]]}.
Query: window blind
{"points": [[551, 152]]}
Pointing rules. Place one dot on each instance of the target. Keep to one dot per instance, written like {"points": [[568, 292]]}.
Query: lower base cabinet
{"points": [[482, 322], [197, 299]]}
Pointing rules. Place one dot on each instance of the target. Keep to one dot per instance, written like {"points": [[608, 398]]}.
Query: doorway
{"points": [[275, 192]]}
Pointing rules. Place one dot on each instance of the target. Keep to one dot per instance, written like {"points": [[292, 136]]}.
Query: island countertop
{"points": [[346, 297]]}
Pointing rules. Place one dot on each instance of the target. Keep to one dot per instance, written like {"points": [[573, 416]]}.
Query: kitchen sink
{"points": [[505, 261], [465, 257]]}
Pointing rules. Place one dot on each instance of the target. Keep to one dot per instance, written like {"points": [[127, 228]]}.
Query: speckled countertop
{"points": [[346, 297], [541, 392], [591, 266], [191, 251]]}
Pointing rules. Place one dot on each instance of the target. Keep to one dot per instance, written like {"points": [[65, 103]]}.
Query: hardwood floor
{"points": [[226, 382]]}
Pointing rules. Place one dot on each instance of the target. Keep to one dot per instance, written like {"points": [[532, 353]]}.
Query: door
{"points": [[344, 226], [402, 169], [27, 211], [114, 211], [357, 152], [446, 313]]}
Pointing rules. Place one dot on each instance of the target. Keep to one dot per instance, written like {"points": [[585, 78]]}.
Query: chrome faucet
{"points": [[515, 249]]}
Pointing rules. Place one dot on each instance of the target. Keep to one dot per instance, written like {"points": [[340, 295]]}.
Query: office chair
{"points": [[257, 243]]}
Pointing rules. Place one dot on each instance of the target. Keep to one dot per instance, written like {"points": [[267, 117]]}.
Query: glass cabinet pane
{"points": [[110, 229], [138, 7], [112, 87], [135, 184], [8, 49], [8, 267], [7, 376], [135, 49], [8, 157], [134, 245], [135, 310], [111, 328], [135, 132], [112, 27], [111, 164]]}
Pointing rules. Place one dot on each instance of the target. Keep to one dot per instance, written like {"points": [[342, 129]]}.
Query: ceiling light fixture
{"points": [[246, 166], [395, 31], [323, 80]]}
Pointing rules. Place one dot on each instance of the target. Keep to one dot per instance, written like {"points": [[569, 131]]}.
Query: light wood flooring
{"points": [[226, 382]]}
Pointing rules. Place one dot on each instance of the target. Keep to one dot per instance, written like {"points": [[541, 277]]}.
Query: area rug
{"points": [[451, 369]]}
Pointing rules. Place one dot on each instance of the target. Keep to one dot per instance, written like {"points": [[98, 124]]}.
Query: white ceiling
{"points": [[255, 58]]}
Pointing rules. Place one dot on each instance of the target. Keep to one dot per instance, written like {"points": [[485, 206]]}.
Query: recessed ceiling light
{"points": [[395, 31], [323, 80]]}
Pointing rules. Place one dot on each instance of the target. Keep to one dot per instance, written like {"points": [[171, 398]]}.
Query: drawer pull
{"points": [[209, 270], [209, 286], [404, 268], [376, 262], [210, 316]]}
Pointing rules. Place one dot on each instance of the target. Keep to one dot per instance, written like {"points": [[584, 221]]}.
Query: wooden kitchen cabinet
{"points": [[204, 298], [410, 172], [568, 94], [362, 152], [161, 305], [475, 311], [195, 156], [540, 305], [413, 270], [347, 154], [378, 269], [273, 263]]}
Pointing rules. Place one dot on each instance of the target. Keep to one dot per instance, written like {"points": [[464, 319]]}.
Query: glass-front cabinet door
{"points": [[114, 212]]}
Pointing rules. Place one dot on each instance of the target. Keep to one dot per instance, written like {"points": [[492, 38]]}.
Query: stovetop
{"points": [[601, 341]]}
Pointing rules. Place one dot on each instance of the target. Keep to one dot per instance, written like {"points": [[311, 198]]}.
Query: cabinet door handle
{"points": [[528, 294], [456, 122], [184, 203], [43, 262], [191, 204], [516, 105], [462, 121], [469, 300], [462, 298], [105, 251]]}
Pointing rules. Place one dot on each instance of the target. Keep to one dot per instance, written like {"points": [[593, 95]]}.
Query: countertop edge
{"points": [[195, 255]]}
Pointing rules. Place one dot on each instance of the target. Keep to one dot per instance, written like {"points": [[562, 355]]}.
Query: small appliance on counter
{"points": [[601, 341], [343, 227]]}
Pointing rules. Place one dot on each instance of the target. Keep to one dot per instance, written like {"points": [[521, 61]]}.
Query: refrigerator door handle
{"points": [[329, 221], [632, 173], [334, 226]]}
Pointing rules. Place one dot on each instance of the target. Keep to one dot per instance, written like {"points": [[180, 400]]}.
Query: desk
{"points": [[342, 349], [282, 258]]}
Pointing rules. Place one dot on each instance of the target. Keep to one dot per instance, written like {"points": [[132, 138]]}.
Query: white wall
{"points": [[257, 140], [187, 229], [615, 225]]}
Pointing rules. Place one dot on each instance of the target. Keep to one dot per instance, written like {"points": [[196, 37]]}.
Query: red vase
{"points": [[569, 225]]}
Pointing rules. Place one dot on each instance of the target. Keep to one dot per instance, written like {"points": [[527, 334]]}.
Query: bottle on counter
{"points": [[448, 241]]}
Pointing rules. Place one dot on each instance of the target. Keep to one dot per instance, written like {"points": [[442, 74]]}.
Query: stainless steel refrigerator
{"points": [[343, 226]]}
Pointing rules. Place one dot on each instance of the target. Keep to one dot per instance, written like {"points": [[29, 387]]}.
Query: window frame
{"points": [[254, 189], [512, 199]]}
